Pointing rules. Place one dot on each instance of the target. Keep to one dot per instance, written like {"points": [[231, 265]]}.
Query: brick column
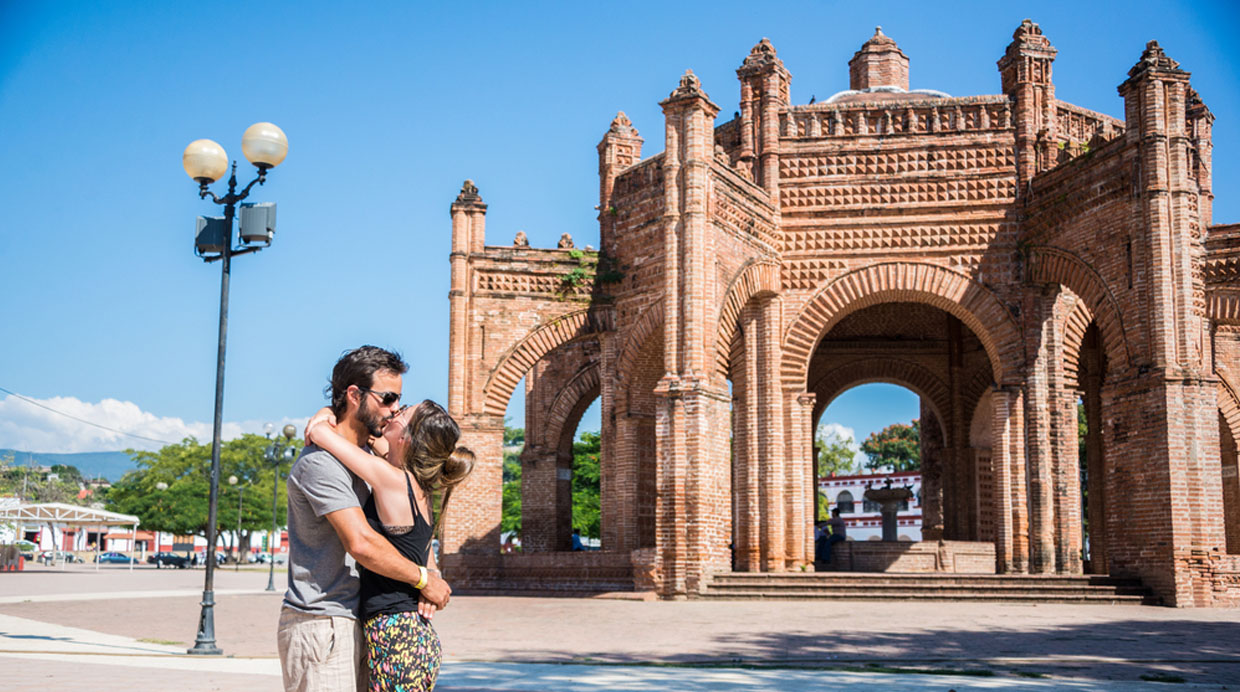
{"points": [[1007, 456], [611, 519], [1045, 356], [693, 518], [776, 483], [803, 488], [1163, 421], [748, 519], [931, 473], [471, 524], [468, 220]]}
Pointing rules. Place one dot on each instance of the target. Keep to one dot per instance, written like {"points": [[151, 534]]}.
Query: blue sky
{"points": [[388, 107]]}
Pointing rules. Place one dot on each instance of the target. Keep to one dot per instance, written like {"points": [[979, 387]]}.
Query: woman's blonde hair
{"points": [[432, 455]]}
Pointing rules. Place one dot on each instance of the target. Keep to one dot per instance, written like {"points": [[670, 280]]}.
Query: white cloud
{"points": [[828, 432], [27, 427]]}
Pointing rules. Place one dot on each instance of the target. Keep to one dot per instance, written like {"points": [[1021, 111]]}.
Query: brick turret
{"points": [[620, 148], [764, 91], [1025, 70], [879, 63], [469, 215]]}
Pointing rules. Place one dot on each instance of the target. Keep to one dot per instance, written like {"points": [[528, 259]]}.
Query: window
{"points": [[844, 502], [870, 506]]}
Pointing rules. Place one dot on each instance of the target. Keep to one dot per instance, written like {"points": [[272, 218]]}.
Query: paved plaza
{"points": [[81, 629]]}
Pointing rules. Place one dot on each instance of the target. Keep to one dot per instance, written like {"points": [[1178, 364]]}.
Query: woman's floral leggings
{"points": [[402, 653]]}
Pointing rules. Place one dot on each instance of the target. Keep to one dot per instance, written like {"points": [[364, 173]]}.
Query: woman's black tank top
{"points": [[379, 594]]}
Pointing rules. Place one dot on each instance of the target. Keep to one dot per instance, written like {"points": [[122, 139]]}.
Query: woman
{"points": [[403, 649]]}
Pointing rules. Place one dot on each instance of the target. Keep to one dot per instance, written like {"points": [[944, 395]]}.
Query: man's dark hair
{"points": [[358, 367]]}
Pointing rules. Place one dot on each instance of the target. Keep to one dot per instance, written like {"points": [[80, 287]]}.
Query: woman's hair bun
{"points": [[458, 465]]}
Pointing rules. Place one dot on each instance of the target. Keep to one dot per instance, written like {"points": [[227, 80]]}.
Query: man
{"points": [[839, 532], [319, 637]]}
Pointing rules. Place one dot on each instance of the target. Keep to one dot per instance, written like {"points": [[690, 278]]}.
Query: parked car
{"points": [[47, 557], [113, 558], [265, 558], [168, 559], [27, 549]]}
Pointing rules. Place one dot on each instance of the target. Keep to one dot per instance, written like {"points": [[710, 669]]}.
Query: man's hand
{"points": [[426, 609], [436, 592]]}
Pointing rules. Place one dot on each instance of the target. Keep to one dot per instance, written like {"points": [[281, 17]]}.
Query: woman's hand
{"points": [[323, 415], [426, 609]]}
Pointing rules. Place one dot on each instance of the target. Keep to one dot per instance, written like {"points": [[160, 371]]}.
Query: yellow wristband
{"points": [[421, 582]]}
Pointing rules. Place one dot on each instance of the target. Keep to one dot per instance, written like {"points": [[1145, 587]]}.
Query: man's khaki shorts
{"points": [[320, 653]]}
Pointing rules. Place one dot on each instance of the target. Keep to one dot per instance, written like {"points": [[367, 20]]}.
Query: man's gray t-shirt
{"points": [[319, 580]]}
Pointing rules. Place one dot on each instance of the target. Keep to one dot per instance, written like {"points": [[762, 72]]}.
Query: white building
{"points": [[864, 518]]}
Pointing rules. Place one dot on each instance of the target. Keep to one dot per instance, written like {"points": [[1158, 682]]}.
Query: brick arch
{"points": [[539, 342], [949, 290], [973, 390], [1076, 323], [1229, 404], [571, 403], [755, 278], [866, 370], [1053, 265], [650, 321]]}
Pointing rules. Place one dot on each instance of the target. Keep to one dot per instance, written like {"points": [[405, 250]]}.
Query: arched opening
{"points": [[1231, 485], [634, 459], [935, 355], [538, 496], [865, 436], [1092, 455]]}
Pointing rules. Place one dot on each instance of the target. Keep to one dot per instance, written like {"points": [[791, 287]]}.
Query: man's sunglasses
{"points": [[385, 398]]}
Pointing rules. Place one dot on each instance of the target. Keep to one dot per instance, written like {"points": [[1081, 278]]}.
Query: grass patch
{"points": [[1161, 677], [169, 642]]}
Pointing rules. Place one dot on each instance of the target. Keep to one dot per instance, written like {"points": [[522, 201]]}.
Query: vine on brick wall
{"points": [[591, 266]]}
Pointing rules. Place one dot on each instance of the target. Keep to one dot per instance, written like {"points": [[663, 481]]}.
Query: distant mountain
{"points": [[109, 465]]}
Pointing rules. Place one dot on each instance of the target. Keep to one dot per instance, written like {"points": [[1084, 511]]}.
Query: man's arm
{"points": [[376, 554]]}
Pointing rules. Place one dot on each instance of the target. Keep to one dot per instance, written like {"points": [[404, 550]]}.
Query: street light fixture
{"points": [[276, 453], [205, 161]]}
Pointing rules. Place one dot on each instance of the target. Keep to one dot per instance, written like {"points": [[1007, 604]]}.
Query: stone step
{"points": [[991, 587], [826, 578], [904, 595]]}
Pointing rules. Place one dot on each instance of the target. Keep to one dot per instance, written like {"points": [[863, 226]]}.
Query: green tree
{"points": [[510, 512], [586, 484], [835, 454], [897, 446], [510, 518], [182, 506], [30, 482]]}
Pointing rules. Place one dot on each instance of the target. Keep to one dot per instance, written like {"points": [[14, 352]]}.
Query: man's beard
{"points": [[373, 423]]}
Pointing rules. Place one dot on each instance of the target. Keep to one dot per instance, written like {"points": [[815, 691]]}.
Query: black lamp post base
{"points": [[204, 645]]}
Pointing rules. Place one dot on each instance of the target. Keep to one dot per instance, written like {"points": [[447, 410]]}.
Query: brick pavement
{"points": [[1097, 645]]}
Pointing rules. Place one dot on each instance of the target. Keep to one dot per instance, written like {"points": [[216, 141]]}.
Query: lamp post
{"points": [[233, 480], [265, 146], [276, 453]]}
